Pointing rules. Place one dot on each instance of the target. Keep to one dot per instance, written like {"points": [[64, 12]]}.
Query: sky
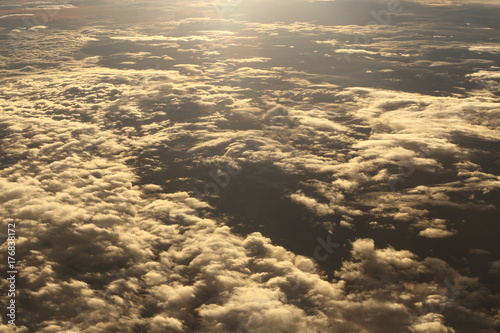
{"points": [[253, 166]]}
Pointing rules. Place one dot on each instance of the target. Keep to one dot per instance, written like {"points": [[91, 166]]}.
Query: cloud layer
{"points": [[158, 174]]}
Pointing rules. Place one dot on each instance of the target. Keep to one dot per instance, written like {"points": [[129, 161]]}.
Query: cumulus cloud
{"points": [[101, 159], [435, 233]]}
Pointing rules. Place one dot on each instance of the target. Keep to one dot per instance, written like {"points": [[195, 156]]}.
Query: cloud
{"points": [[101, 161], [435, 233], [312, 204]]}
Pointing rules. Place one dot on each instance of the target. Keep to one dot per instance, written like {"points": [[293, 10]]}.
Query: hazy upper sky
{"points": [[251, 166]]}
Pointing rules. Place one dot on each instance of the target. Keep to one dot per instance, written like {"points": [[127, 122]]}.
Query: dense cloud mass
{"points": [[210, 167]]}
